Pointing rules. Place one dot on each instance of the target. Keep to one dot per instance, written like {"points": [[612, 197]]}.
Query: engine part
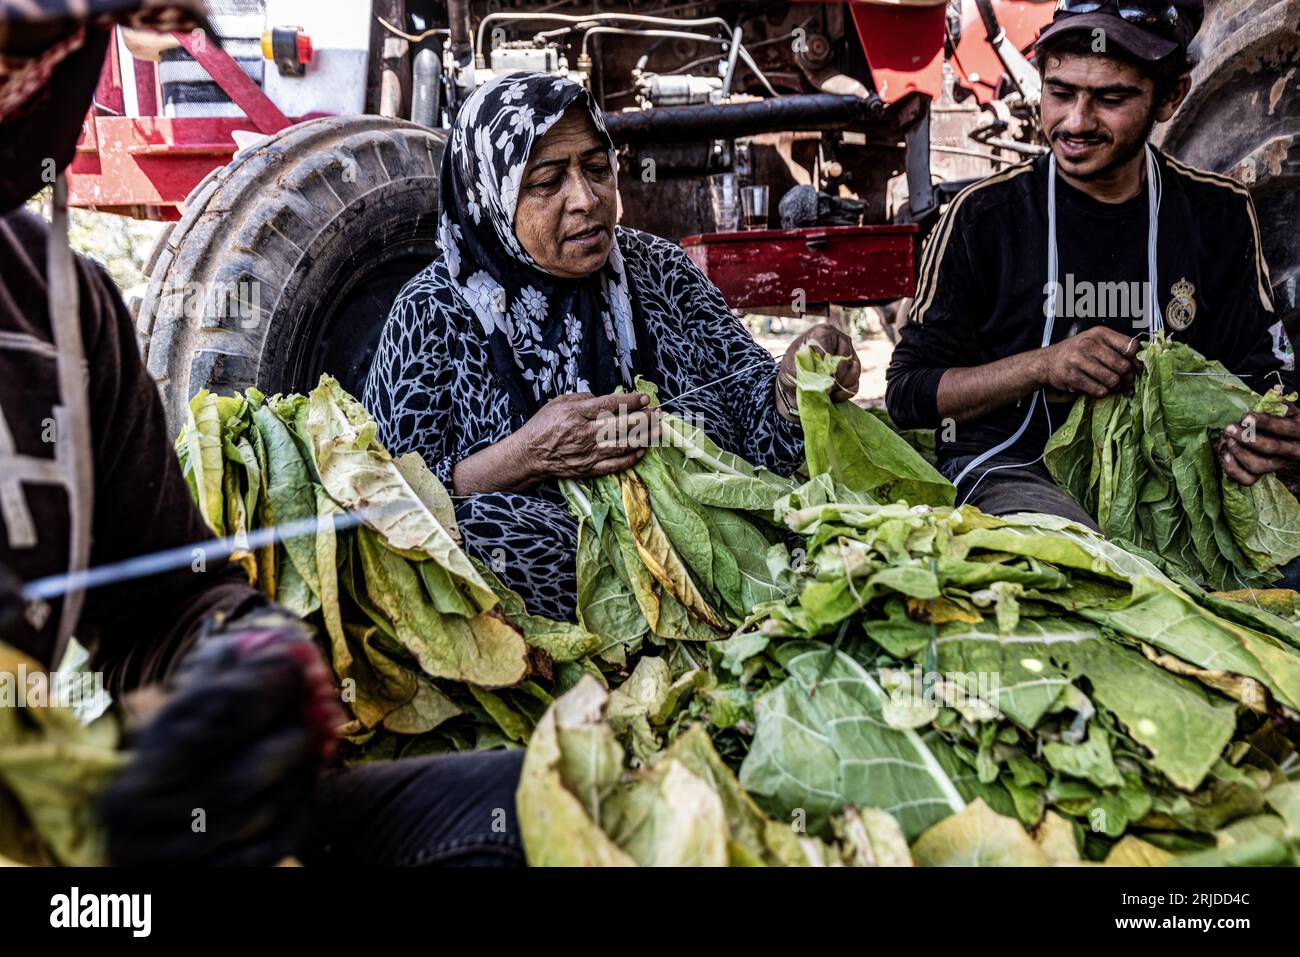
{"points": [[658, 90], [289, 47], [511, 58], [593, 18]]}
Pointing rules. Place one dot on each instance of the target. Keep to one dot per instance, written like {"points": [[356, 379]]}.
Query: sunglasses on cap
{"points": [[1159, 17]]}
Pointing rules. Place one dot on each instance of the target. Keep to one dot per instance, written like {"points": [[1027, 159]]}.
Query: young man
{"points": [[972, 360], [88, 478]]}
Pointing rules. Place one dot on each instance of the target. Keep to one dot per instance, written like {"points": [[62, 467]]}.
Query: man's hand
{"points": [[1096, 362], [1261, 444], [224, 771], [832, 342], [583, 435]]}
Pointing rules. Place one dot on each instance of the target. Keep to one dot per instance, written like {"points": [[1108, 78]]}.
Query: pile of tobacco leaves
{"points": [[932, 685], [840, 668], [1145, 466], [431, 651]]}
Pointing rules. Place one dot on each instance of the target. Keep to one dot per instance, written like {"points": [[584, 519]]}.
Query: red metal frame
{"points": [[904, 48], [904, 44], [234, 82], [149, 164], [839, 264], [975, 61]]}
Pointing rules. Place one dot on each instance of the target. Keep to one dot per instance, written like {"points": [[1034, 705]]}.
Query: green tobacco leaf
{"points": [[607, 603], [573, 764], [1168, 618], [977, 837], [1184, 726], [360, 475], [669, 818], [512, 724], [562, 640], [856, 449], [380, 683], [327, 564], [1132, 851], [484, 650], [1145, 467], [291, 494], [578, 807], [429, 490], [822, 751], [660, 557], [204, 458], [53, 770], [758, 581], [427, 709], [713, 476]]}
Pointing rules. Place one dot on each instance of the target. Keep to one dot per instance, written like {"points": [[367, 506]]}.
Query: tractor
{"points": [[296, 160]]}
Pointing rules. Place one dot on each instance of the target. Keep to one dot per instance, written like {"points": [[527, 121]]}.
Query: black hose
{"points": [[717, 121]]}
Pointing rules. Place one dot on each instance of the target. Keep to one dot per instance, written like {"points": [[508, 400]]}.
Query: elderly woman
{"points": [[499, 358]]}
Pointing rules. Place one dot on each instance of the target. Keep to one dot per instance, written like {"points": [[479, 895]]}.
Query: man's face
{"points": [[1098, 113], [564, 217]]}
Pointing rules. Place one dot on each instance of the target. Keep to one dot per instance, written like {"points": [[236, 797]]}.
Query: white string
{"points": [[761, 363], [1155, 189], [1153, 317], [182, 556]]}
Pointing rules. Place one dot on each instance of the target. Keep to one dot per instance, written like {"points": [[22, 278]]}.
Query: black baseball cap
{"points": [[1147, 29]]}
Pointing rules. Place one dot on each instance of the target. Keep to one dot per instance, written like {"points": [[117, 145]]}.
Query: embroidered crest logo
{"points": [[1182, 307]]}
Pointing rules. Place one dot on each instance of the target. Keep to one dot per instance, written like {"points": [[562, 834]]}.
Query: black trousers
{"points": [[456, 810], [996, 489]]}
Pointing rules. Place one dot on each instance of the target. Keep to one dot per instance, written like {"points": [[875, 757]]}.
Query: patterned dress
{"points": [[433, 390]]}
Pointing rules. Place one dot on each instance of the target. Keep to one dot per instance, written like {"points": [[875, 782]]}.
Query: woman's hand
{"points": [[831, 341], [582, 435], [572, 436]]}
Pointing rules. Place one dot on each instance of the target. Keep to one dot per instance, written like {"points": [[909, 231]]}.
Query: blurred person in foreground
{"points": [[245, 715]]}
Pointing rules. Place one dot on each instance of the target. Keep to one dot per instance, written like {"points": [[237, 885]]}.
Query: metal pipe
{"points": [[624, 31], [461, 33], [699, 38], [590, 18], [762, 78], [959, 151], [712, 121], [732, 53]]}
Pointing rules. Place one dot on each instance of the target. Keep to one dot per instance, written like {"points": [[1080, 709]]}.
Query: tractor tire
{"points": [[1242, 119], [287, 260]]}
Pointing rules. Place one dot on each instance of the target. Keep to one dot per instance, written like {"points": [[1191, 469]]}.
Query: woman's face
{"points": [[564, 217]]}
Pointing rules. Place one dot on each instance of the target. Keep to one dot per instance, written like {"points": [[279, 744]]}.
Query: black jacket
{"points": [[981, 292], [136, 630]]}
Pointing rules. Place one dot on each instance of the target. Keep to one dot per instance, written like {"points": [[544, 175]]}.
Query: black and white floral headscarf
{"points": [[548, 335]]}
